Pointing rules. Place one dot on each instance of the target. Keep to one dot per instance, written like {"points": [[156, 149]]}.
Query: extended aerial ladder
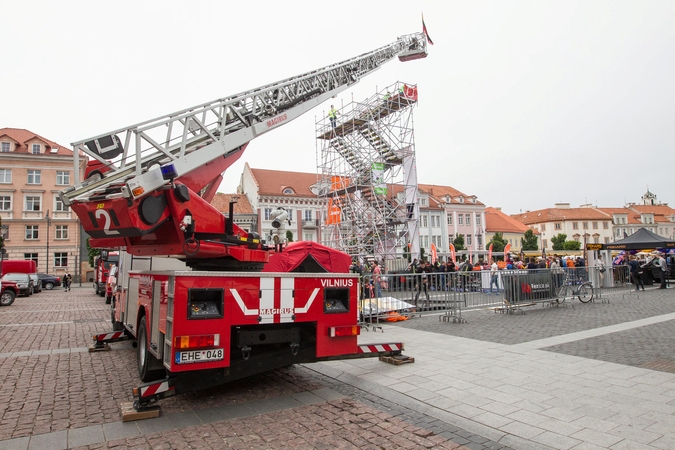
{"points": [[162, 173]]}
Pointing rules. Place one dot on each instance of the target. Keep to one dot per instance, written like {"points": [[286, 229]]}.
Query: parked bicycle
{"points": [[573, 286]]}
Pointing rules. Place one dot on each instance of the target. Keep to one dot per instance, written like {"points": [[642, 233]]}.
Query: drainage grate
{"points": [[663, 365]]}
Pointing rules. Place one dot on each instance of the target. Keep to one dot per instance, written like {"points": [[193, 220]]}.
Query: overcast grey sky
{"points": [[522, 103]]}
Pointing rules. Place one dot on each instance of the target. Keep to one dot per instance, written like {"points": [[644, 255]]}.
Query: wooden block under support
{"points": [[103, 348], [129, 413], [397, 360]]}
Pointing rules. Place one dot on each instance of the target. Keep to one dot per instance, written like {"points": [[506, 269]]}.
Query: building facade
{"points": [[39, 226]]}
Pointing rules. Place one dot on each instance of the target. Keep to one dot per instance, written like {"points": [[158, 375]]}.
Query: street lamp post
{"points": [[49, 222], [3, 231]]}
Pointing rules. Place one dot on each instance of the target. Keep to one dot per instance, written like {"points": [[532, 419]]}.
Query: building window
{"points": [[585, 225], [450, 219], [309, 237], [31, 257], [595, 225], [290, 214], [62, 178], [575, 225], [606, 240], [425, 222], [596, 239], [605, 225], [5, 202], [5, 147], [543, 227], [460, 219], [425, 241], [308, 214], [36, 149], [478, 219], [288, 191], [268, 213], [60, 206], [468, 219], [423, 202], [557, 226], [32, 203], [32, 232], [34, 177], [6, 176], [479, 241], [61, 259], [61, 232], [468, 240], [544, 242]]}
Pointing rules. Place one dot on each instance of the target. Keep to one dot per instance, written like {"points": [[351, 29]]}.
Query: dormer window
{"points": [[461, 199], [473, 199], [35, 149], [288, 191], [5, 147]]}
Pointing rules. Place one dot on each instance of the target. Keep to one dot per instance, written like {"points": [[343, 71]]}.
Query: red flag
{"points": [[490, 253], [507, 249], [426, 33], [452, 253], [434, 254]]}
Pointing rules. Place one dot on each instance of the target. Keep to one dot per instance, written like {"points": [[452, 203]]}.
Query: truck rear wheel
{"points": [[7, 298], [149, 367]]}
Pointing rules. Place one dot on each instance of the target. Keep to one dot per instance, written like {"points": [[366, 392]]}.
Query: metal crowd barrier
{"points": [[402, 296]]}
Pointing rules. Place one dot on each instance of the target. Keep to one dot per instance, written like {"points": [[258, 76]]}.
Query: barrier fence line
{"points": [[401, 296]]}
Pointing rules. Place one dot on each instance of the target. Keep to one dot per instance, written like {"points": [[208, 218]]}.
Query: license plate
{"points": [[215, 354]]}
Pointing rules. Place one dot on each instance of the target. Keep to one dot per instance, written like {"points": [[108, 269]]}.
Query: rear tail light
{"points": [[352, 330], [192, 342]]}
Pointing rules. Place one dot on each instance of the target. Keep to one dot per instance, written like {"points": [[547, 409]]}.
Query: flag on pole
{"points": [[490, 253], [434, 254], [426, 33], [452, 254], [507, 249]]}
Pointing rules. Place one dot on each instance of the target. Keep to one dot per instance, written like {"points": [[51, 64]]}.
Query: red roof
{"points": [[498, 222], [22, 137], [561, 214], [273, 182], [221, 202]]}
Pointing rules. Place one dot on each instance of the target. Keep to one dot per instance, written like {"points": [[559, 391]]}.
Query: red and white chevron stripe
{"points": [[153, 389], [377, 348], [106, 336]]}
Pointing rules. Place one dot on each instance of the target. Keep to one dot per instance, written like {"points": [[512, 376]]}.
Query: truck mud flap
{"points": [[102, 340]]}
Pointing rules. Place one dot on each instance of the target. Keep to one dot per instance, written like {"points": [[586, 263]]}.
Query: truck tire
{"points": [[116, 326], [49, 285], [7, 297], [149, 367]]}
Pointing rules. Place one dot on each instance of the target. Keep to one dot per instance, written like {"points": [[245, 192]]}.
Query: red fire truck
{"points": [[235, 308], [102, 264]]}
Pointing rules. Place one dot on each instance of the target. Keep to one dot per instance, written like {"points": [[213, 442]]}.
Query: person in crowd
{"points": [[494, 275], [377, 272], [663, 267], [423, 283], [636, 273], [531, 264]]}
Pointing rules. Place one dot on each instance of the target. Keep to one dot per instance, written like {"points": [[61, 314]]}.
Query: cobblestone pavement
{"points": [[55, 394]]}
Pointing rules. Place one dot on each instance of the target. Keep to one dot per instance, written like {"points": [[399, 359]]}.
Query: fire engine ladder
{"points": [[146, 156]]}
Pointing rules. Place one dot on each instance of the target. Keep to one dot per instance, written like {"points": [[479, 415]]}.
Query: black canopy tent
{"points": [[641, 239]]}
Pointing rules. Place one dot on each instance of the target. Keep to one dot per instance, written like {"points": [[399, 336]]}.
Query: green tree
{"points": [[93, 252], [530, 241], [497, 242], [459, 243], [289, 235], [572, 245], [558, 241]]}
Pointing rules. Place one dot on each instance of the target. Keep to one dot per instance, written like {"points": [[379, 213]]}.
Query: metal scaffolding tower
{"points": [[368, 176]]}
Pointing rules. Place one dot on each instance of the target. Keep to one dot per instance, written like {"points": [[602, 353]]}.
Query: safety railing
{"points": [[401, 296]]}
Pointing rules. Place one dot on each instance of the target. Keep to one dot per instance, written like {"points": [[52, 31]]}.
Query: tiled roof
{"points": [[22, 136], [440, 192], [273, 182], [633, 217], [560, 214], [222, 202], [497, 221], [662, 213]]}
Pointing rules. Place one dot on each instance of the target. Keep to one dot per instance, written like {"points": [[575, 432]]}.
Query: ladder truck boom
{"points": [[161, 174]]}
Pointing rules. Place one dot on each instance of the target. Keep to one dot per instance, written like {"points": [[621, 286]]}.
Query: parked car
{"points": [[22, 280], [37, 285], [9, 292], [49, 282]]}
